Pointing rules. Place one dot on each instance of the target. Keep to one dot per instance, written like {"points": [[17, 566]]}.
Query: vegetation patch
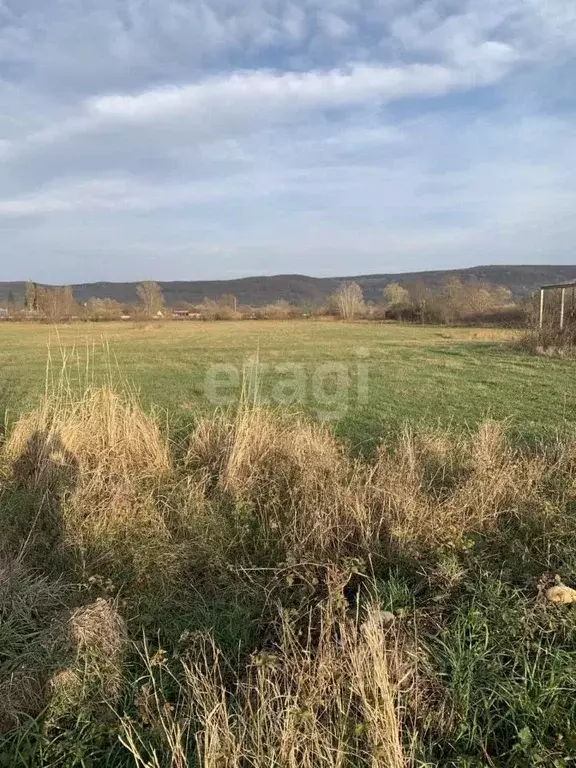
{"points": [[250, 593]]}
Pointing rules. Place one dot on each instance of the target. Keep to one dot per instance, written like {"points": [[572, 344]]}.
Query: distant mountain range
{"points": [[303, 290]]}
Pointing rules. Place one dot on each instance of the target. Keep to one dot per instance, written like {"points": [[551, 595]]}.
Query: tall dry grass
{"points": [[305, 497], [100, 464], [291, 480], [259, 487], [328, 698], [435, 489]]}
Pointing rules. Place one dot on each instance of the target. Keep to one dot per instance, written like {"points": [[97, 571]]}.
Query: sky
{"points": [[208, 139]]}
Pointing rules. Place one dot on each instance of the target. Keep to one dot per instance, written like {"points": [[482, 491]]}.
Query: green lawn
{"points": [[452, 377]]}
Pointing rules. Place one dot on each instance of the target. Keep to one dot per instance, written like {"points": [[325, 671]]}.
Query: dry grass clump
{"points": [[99, 630], [256, 444], [499, 479], [100, 461], [21, 697], [330, 698], [290, 475], [434, 490], [101, 434], [90, 644], [302, 494]]}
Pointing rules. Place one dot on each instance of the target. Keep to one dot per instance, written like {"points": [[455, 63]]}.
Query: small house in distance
{"points": [[4, 313], [185, 314]]}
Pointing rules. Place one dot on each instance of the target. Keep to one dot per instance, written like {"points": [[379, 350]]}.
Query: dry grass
{"points": [[309, 497], [52, 657], [270, 484], [290, 475], [435, 490], [548, 341], [100, 463], [103, 439], [267, 484], [28, 603], [259, 492], [326, 699], [21, 697], [89, 647]]}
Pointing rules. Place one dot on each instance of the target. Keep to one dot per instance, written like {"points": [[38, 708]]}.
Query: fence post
{"points": [[541, 319], [562, 300]]}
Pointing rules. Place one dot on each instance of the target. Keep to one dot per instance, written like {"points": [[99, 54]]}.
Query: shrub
{"points": [[280, 310], [549, 341]]}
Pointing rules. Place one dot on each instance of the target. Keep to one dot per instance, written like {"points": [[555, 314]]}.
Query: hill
{"points": [[300, 289]]}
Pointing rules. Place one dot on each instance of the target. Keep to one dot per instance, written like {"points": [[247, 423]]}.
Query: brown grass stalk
{"points": [[325, 699]]}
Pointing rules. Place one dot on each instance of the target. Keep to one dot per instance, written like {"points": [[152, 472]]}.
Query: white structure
{"points": [[566, 290]]}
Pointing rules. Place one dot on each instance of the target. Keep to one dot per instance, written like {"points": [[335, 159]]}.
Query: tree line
{"points": [[454, 301], [57, 303]]}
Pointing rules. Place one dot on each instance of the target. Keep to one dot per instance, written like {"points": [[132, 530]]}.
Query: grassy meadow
{"points": [[186, 586], [451, 377]]}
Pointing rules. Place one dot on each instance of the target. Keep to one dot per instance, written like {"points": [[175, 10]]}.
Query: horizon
{"points": [[319, 137]]}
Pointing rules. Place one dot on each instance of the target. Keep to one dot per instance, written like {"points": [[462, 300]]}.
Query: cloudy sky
{"points": [[188, 139]]}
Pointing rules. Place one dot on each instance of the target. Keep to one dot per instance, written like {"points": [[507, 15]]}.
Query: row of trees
{"points": [[52, 303], [57, 303], [452, 301]]}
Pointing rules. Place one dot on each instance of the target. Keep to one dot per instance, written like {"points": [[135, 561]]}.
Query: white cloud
{"points": [[152, 129], [291, 91], [265, 96]]}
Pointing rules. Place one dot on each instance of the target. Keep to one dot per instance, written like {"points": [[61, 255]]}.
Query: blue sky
{"points": [[221, 138]]}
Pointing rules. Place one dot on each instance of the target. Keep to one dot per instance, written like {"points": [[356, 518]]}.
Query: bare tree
{"points": [[150, 294], [454, 298], [31, 299], [228, 300], [55, 303], [11, 303], [280, 310], [103, 309], [349, 300]]}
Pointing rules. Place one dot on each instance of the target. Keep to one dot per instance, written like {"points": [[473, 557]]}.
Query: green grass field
{"points": [[421, 375]]}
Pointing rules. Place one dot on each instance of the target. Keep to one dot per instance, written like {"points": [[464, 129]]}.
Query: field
{"points": [[419, 375], [294, 545]]}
